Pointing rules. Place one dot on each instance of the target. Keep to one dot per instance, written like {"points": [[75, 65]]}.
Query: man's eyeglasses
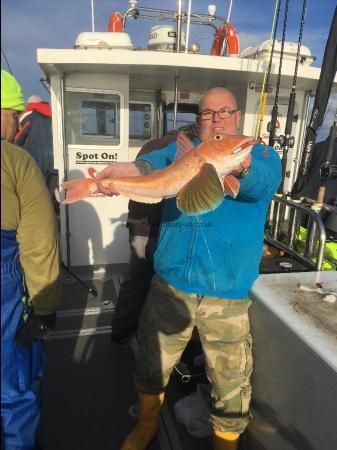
{"points": [[223, 114]]}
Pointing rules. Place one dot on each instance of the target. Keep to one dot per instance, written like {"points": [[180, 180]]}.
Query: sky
{"points": [[30, 24]]}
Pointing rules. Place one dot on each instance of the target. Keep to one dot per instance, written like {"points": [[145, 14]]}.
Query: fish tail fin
{"points": [[202, 193], [78, 189]]}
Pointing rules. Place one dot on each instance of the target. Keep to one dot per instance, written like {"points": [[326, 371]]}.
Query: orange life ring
{"points": [[226, 32], [218, 40], [233, 45], [115, 23]]}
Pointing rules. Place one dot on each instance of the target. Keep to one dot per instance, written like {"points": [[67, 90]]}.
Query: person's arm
{"points": [[37, 237], [144, 164], [160, 159], [121, 169], [264, 175]]}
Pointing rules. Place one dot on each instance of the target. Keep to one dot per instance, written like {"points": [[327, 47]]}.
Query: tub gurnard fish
{"points": [[199, 180]]}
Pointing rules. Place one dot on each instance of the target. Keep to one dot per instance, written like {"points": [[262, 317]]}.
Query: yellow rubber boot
{"points": [[148, 422], [225, 440]]}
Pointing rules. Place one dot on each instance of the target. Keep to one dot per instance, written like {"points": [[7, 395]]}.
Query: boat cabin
{"points": [[110, 96]]}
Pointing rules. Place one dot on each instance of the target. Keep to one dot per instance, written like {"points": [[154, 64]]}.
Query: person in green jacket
{"points": [[30, 275]]}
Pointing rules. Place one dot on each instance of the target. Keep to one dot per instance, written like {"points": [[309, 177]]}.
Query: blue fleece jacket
{"points": [[217, 253]]}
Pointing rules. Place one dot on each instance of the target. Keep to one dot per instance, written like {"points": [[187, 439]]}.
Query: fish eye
{"points": [[218, 137]]}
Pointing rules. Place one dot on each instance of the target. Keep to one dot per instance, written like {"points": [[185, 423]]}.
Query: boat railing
{"points": [[286, 220], [137, 12]]}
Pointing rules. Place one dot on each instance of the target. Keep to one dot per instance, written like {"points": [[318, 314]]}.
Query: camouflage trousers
{"points": [[165, 327]]}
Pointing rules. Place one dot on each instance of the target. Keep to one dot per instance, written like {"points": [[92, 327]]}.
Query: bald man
{"points": [[205, 265]]}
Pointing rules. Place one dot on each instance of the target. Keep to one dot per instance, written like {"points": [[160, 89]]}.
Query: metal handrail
{"points": [[171, 15], [282, 208], [178, 17]]}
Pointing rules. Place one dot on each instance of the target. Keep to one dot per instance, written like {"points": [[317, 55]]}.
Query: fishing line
{"points": [[9, 67], [327, 112], [208, 251]]}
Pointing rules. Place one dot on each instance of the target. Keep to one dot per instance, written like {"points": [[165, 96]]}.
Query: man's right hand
{"points": [[117, 170]]}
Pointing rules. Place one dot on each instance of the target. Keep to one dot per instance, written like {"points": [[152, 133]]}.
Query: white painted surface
{"points": [[198, 69], [142, 72], [279, 292]]}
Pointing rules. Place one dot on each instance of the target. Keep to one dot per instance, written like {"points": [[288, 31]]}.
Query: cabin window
{"points": [[187, 114], [99, 118], [92, 118], [140, 121]]}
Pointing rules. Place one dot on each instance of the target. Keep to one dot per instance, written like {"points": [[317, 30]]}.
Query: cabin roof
{"points": [[196, 72]]}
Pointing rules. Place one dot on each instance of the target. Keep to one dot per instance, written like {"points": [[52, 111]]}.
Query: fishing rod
{"points": [[274, 112], [328, 73], [266, 78], [287, 141], [92, 290], [328, 170], [9, 67]]}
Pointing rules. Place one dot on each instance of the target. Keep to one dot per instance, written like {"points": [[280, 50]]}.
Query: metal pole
{"points": [[188, 25], [276, 221], [293, 226], [311, 239], [178, 42], [229, 11], [65, 165], [175, 110], [92, 16]]}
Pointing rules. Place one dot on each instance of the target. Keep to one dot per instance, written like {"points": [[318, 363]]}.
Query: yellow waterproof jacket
{"points": [[330, 249]]}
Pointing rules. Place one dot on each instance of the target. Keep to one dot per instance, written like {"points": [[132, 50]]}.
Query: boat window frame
{"points": [[142, 102], [122, 122], [185, 102]]}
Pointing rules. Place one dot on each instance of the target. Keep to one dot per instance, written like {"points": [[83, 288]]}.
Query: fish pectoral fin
{"points": [[231, 185], [202, 193], [140, 198]]}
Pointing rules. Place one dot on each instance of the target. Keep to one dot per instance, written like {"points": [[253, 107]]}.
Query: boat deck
{"points": [[88, 386]]}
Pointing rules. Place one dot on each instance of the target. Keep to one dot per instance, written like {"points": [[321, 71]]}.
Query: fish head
{"points": [[226, 152]]}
